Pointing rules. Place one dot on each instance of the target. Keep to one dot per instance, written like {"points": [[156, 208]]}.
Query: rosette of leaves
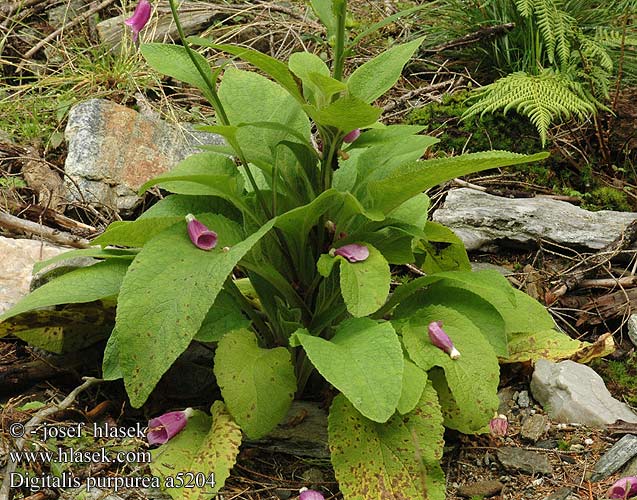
{"points": [[278, 304]]}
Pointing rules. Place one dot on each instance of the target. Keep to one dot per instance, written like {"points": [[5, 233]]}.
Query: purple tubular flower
{"points": [[139, 18], [352, 136], [499, 425], [441, 340], [626, 487], [200, 235], [163, 428], [352, 252], [306, 494]]}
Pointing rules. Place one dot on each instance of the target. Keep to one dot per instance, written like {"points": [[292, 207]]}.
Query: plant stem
{"points": [[265, 335], [339, 48]]}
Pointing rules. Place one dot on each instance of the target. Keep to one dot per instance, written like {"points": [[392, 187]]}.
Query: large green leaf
{"points": [[206, 448], [378, 75], [346, 114], [82, 285], [414, 383], [247, 98], [363, 360], [134, 233], [302, 64], [542, 344], [443, 250], [166, 295], [224, 316], [269, 65], [97, 253], [178, 205], [258, 385], [364, 284], [410, 179], [397, 460], [473, 378], [382, 134], [173, 60]]}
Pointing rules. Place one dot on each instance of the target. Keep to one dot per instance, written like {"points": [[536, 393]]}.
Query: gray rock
{"points": [[59, 16], [572, 392], [16, 267], [523, 399], [523, 460], [534, 427], [562, 494], [620, 453], [113, 151], [505, 395], [632, 329], [631, 468], [482, 220], [484, 489]]}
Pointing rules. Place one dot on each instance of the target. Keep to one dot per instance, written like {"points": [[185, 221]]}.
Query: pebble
{"points": [[524, 460], [483, 489], [620, 453], [523, 399], [588, 441], [534, 427], [547, 444]]}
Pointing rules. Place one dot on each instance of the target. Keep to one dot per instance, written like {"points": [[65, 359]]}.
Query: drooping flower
{"points": [[352, 252], [139, 18], [441, 340], [306, 494], [163, 428], [352, 136], [626, 487], [499, 425], [200, 235]]}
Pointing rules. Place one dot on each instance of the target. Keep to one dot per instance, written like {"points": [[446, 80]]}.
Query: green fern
{"points": [[543, 98]]}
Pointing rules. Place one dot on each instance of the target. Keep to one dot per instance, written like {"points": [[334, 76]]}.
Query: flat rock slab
{"points": [[523, 460], [572, 392], [534, 427], [16, 267], [619, 454], [114, 150], [483, 221], [484, 489]]}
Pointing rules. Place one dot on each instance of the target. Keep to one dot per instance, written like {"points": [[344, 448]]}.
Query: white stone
{"points": [[483, 220], [16, 266], [573, 392]]}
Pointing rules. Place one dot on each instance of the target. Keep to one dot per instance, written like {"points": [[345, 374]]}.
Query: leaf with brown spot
{"points": [[396, 460]]}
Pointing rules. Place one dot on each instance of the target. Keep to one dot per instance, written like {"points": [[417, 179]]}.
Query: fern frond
{"points": [[525, 7], [542, 98], [614, 38], [595, 52]]}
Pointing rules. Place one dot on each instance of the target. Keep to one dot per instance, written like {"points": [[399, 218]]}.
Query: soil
{"points": [[261, 473]]}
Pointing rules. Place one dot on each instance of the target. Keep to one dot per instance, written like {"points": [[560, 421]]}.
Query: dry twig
{"points": [[60, 237]]}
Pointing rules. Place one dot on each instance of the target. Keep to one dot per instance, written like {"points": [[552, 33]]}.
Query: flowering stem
{"points": [[262, 330], [339, 47]]}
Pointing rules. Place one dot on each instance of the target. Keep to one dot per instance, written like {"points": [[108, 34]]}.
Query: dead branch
{"points": [[476, 36], [59, 237], [420, 91], [38, 212]]}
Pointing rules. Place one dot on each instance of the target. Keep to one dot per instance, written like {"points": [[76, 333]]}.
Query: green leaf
{"points": [[364, 284], [412, 211], [414, 383], [393, 461], [383, 134], [302, 64], [110, 362], [207, 447], [481, 313], [473, 378], [325, 12], [224, 316], [547, 344], [81, 285], [346, 114], [410, 179], [166, 295], [237, 92], [173, 60], [443, 250], [371, 80], [178, 205], [134, 233], [258, 385], [97, 253], [207, 174], [363, 360], [272, 67]]}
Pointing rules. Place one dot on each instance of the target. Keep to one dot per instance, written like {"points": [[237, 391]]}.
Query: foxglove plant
{"points": [[282, 299]]}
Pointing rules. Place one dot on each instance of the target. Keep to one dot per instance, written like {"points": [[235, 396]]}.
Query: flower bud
{"points": [[499, 425], [306, 494], [352, 252], [352, 136], [441, 340], [626, 487], [163, 428]]}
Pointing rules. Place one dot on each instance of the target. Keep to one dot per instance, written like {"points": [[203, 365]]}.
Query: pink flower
{"points": [[441, 340], [499, 425], [200, 235], [352, 252], [306, 494], [139, 18], [626, 487], [352, 136], [163, 428]]}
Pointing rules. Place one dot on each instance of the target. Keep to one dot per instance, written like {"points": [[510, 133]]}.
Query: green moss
{"points": [[606, 198], [620, 377]]}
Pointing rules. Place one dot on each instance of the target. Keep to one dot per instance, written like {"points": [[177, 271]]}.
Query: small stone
{"points": [[534, 427], [505, 395], [588, 441], [313, 476], [573, 392], [524, 460], [577, 447], [523, 399], [282, 493], [546, 444], [632, 329], [484, 489], [620, 453], [560, 494]]}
